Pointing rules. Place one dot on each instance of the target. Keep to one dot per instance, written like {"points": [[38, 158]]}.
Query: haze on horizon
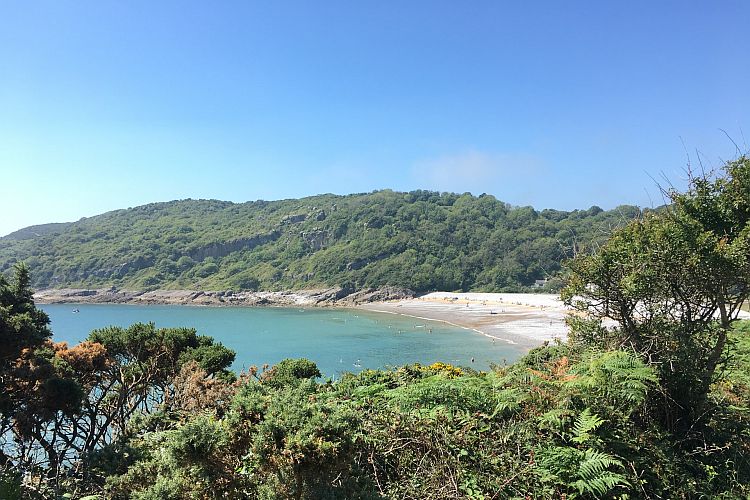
{"points": [[107, 105]]}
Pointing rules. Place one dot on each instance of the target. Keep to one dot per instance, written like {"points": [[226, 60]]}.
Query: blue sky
{"points": [[110, 104]]}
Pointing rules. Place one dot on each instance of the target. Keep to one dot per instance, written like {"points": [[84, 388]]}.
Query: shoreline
{"points": [[333, 296], [520, 319], [525, 320], [381, 311]]}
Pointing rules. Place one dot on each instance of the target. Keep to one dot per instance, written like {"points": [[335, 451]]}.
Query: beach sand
{"points": [[524, 319]]}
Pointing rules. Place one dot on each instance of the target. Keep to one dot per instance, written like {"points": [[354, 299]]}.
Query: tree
{"points": [[674, 282], [23, 328], [77, 405], [136, 377], [33, 393], [22, 325]]}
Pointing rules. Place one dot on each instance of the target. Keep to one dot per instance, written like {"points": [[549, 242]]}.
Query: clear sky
{"points": [[113, 104]]}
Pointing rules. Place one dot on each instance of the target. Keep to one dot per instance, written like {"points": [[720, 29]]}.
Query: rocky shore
{"points": [[334, 296]]}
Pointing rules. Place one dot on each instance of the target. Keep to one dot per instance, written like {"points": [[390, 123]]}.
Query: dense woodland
{"points": [[656, 406], [420, 240]]}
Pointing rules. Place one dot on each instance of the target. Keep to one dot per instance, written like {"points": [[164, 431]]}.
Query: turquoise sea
{"points": [[338, 340]]}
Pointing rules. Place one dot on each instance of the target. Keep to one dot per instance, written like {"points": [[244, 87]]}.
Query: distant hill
{"points": [[421, 240], [31, 232]]}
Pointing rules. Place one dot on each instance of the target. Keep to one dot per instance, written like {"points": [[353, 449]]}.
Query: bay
{"points": [[337, 340]]}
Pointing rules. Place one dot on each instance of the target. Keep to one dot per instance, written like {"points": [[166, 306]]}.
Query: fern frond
{"points": [[595, 462], [586, 422], [600, 485]]}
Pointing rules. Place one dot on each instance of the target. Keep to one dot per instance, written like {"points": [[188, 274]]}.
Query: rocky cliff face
{"points": [[316, 239], [222, 249]]}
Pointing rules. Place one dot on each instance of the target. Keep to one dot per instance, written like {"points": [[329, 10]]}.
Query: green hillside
{"points": [[421, 240]]}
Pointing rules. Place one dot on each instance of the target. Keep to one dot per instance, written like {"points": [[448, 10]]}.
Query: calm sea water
{"points": [[338, 340]]}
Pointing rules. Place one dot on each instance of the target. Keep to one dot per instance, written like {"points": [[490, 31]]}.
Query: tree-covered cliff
{"points": [[421, 240]]}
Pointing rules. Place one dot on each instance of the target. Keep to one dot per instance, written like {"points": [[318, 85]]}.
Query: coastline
{"points": [[526, 320], [522, 319]]}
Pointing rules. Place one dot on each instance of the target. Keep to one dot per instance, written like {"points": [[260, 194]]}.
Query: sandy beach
{"points": [[526, 319], [518, 318]]}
